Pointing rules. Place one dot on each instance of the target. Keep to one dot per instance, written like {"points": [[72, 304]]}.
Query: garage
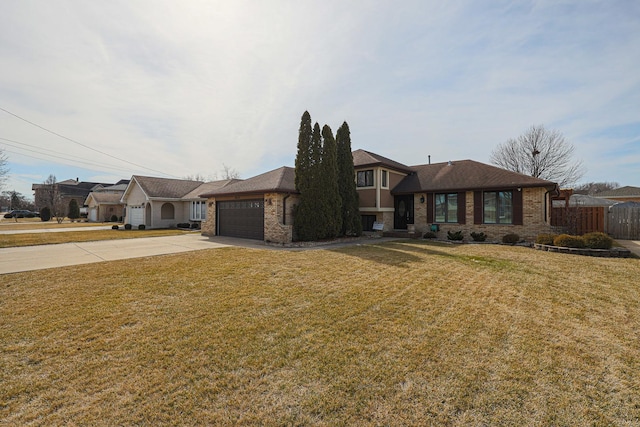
{"points": [[137, 215], [241, 218]]}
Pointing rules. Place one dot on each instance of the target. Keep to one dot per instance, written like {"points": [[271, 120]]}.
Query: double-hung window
{"points": [[446, 207], [498, 207], [198, 211], [365, 178]]}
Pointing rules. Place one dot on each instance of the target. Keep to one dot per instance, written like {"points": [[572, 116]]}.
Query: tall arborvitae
{"points": [[351, 221], [330, 195], [303, 213], [303, 157]]}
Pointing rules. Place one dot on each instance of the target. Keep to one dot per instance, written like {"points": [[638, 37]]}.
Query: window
{"points": [[365, 178], [498, 207], [383, 179], [167, 211], [198, 211], [446, 206]]}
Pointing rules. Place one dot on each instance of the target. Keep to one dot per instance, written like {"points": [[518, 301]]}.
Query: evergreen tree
{"points": [[74, 210], [351, 221], [329, 192], [306, 158]]}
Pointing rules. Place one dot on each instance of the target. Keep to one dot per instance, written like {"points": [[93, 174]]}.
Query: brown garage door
{"points": [[241, 218]]}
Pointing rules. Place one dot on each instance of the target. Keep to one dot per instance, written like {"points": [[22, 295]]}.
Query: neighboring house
{"points": [[71, 189], [257, 208], [105, 203], [164, 203], [458, 196], [622, 194]]}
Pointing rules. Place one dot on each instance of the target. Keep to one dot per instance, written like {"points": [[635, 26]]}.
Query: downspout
{"points": [[546, 207], [284, 209]]}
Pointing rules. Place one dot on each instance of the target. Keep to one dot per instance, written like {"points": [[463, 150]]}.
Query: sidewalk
{"points": [[632, 245]]}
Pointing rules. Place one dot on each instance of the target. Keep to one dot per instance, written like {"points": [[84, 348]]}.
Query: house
{"points": [[103, 204], [164, 203], [70, 189], [622, 194], [257, 208], [459, 196]]}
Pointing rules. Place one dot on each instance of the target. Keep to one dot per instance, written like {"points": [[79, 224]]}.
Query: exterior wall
{"points": [[208, 226], [533, 210], [180, 214], [278, 217], [367, 197]]}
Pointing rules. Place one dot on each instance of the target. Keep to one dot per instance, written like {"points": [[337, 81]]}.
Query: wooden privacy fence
{"points": [[580, 219], [623, 222]]}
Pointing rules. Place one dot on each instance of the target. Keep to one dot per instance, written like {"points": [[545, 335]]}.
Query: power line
{"points": [[41, 151], [81, 144]]}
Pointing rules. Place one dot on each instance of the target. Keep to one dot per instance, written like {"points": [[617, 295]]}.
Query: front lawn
{"points": [[405, 333], [31, 239]]}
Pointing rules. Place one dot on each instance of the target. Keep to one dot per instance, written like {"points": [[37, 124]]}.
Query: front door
{"points": [[403, 214]]}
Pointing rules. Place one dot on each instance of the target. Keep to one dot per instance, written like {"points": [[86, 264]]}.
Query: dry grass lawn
{"points": [[407, 333], [34, 239]]}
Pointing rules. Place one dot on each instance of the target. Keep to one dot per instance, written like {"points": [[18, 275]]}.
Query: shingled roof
{"points": [[627, 191], [464, 175], [281, 180], [208, 187], [105, 198], [165, 188], [363, 158]]}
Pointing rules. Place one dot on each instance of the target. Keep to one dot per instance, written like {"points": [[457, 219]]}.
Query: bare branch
{"points": [[540, 153]]}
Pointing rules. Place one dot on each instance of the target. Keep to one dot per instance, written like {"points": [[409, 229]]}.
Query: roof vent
{"points": [[450, 163]]}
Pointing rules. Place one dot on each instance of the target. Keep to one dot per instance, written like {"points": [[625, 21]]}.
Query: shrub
{"points": [[45, 214], [183, 225], [429, 235], [127, 226], [141, 227], [567, 241], [545, 239], [511, 238], [478, 237], [597, 241], [457, 235], [115, 227], [195, 226], [114, 218]]}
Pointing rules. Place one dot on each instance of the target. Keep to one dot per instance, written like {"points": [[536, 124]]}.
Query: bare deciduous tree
{"points": [[4, 169], [51, 197], [540, 153], [593, 188]]}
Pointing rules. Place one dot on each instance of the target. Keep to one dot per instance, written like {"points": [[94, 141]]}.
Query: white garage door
{"points": [[137, 215]]}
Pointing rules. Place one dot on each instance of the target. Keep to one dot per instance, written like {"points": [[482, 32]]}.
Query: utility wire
{"points": [[105, 168], [70, 158], [83, 145]]}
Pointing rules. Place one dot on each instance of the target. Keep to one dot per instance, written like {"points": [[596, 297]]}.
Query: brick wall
{"points": [[278, 217], [534, 222]]}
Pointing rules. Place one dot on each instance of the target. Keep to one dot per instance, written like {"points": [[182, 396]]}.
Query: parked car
{"points": [[21, 213]]}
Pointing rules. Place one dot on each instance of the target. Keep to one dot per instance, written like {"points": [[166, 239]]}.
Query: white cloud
{"points": [[183, 87]]}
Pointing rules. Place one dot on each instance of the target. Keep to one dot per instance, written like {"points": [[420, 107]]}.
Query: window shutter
{"points": [[477, 207], [429, 208], [517, 207], [462, 208]]}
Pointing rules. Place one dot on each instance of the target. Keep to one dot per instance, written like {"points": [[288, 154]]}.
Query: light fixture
{"points": [[421, 199]]}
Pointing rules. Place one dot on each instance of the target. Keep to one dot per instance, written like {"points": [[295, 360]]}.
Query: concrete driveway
{"points": [[28, 258]]}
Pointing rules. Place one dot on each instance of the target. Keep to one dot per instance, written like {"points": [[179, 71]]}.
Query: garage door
{"points": [[241, 218], [137, 215]]}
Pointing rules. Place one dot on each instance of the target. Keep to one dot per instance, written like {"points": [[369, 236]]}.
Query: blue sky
{"points": [[168, 88]]}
